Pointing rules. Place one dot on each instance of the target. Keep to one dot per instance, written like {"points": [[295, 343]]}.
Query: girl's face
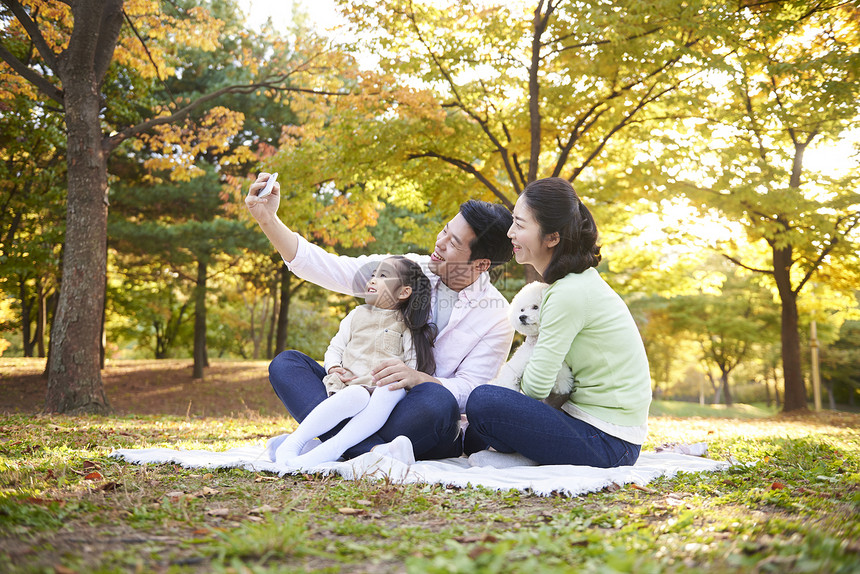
{"points": [[384, 289], [530, 245]]}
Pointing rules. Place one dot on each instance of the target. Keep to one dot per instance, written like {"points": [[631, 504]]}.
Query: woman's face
{"points": [[530, 246], [384, 289]]}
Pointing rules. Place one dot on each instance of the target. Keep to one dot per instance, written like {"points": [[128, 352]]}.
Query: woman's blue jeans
{"points": [[509, 421], [429, 415]]}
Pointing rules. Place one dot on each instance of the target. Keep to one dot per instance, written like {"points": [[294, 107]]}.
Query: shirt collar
{"points": [[473, 292]]}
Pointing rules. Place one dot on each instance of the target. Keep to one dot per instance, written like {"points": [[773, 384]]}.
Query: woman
{"points": [[583, 323]]}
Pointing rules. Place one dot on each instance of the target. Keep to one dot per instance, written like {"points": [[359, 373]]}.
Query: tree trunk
{"points": [[26, 317], [830, 397], [41, 320], [767, 392], [716, 388], [200, 358], [795, 390], [160, 340], [283, 311], [74, 377], [726, 391], [273, 320]]}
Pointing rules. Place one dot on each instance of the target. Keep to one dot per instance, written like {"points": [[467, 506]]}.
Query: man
{"points": [[474, 335]]}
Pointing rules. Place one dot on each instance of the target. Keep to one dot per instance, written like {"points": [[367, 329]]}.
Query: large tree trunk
{"points": [[74, 378], [795, 390], [200, 355]]}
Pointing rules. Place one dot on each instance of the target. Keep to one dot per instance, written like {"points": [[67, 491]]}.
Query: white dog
{"points": [[524, 314]]}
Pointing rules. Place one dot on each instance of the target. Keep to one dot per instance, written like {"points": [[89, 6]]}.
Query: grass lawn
{"points": [[791, 503]]}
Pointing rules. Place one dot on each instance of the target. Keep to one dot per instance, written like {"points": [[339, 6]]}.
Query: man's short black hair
{"points": [[490, 222]]}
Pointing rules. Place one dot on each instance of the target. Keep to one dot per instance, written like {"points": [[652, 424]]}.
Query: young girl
{"points": [[584, 323], [393, 323]]}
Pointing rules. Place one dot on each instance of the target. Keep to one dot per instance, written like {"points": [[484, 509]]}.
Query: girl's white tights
{"points": [[368, 413]]}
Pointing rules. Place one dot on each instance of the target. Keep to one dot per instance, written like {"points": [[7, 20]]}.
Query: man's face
{"points": [[450, 258]]}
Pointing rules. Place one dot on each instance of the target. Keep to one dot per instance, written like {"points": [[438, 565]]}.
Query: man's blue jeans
{"points": [[509, 421], [429, 415]]}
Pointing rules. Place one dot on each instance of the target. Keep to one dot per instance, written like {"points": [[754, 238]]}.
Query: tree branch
{"points": [[646, 99], [747, 267], [109, 29], [827, 250], [113, 141], [599, 42], [32, 76], [35, 34], [541, 20], [149, 55], [470, 169], [460, 103], [616, 93]]}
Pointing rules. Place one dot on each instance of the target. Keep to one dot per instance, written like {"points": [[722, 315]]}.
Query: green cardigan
{"points": [[584, 323]]}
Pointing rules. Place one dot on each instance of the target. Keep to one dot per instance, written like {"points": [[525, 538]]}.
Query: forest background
{"points": [[716, 143]]}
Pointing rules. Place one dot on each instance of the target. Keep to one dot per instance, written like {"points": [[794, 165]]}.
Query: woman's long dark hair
{"points": [[416, 311], [557, 209]]}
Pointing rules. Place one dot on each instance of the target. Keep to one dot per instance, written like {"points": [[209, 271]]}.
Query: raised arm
{"points": [[265, 211], [343, 274]]}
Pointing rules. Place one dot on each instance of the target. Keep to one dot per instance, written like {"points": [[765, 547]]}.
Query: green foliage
{"points": [[32, 209], [786, 83]]}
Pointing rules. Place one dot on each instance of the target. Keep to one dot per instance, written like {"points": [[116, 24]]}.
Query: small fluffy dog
{"points": [[524, 314]]}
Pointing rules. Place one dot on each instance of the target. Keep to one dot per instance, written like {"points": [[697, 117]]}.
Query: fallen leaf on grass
{"points": [[642, 488], [351, 511], [614, 487], [363, 502], [109, 485], [218, 511], [206, 492], [94, 475], [261, 478], [777, 486], [262, 509], [174, 494], [472, 539], [90, 464]]}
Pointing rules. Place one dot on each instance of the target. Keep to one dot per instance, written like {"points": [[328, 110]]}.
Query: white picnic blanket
{"points": [[541, 480]]}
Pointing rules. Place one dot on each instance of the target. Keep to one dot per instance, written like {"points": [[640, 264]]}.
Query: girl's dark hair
{"points": [[416, 311], [557, 209]]}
